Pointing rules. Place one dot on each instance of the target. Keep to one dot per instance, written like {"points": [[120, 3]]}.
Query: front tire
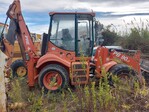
{"points": [[124, 73], [53, 78]]}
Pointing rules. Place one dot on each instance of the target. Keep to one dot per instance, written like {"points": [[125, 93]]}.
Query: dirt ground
{"points": [[2, 84]]}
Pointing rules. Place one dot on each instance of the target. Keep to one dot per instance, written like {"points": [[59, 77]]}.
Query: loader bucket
{"points": [[145, 70], [144, 65]]}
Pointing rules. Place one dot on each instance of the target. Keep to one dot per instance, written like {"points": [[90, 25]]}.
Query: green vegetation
{"points": [[138, 38], [134, 38], [110, 37], [87, 98]]}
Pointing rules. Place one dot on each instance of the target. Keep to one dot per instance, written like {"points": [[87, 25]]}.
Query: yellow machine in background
{"points": [[17, 53], [15, 61]]}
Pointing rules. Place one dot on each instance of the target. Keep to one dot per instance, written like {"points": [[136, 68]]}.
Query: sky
{"points": [[117, 12]]}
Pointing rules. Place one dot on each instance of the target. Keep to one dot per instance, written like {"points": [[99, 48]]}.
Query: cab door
{"points": [[84, 35]]}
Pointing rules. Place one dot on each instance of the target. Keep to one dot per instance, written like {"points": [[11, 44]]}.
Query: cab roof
{"points": [[89, 13]]}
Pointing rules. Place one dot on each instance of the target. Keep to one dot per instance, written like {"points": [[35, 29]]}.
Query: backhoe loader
{"points": [[66, 51]]}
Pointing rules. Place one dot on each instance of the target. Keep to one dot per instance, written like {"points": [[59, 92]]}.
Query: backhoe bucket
{"points": [[11, 36]]}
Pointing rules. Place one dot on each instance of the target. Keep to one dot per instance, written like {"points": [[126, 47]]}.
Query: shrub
{"points": [[137, 38]]}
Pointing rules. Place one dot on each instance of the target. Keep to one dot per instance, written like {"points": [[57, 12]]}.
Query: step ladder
{"points": [[79, 73]]}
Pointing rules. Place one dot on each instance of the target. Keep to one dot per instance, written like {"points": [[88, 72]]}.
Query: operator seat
{"points": [[66, 35], [67, 39]]}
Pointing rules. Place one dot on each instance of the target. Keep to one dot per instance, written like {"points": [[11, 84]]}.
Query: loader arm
{"points": [[109, 57], [132, 61]]}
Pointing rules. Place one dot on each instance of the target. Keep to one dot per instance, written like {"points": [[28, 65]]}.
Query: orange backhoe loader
{"points": [[66, 51]]}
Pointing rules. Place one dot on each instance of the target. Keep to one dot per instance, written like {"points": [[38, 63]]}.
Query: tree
{"points": [[110, 37]]}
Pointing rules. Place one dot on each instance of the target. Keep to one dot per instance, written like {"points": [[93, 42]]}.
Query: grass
{"points": [[89, 98]]}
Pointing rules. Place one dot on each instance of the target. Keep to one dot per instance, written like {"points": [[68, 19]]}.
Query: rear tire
{"points": [[18, 68], [53, 78]]}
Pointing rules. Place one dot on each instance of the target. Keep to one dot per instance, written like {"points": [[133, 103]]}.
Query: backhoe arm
{"points": [[18, 30]]}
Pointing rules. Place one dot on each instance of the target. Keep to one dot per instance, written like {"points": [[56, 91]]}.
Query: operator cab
{"points": [[72, 32]]}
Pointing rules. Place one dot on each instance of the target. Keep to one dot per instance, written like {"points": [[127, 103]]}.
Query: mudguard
{"points": [[52, 58], [108, 65]]}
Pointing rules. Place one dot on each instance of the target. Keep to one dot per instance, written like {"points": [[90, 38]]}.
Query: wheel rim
{"points": [[52, 80], [21, 71], [124, 76], [126, 79], [129, 80]]}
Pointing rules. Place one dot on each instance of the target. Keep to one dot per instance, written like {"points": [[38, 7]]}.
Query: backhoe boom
{"points": [[18, 30]]}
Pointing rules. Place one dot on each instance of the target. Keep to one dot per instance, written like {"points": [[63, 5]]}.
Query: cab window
{"points": [[63, 31]]}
